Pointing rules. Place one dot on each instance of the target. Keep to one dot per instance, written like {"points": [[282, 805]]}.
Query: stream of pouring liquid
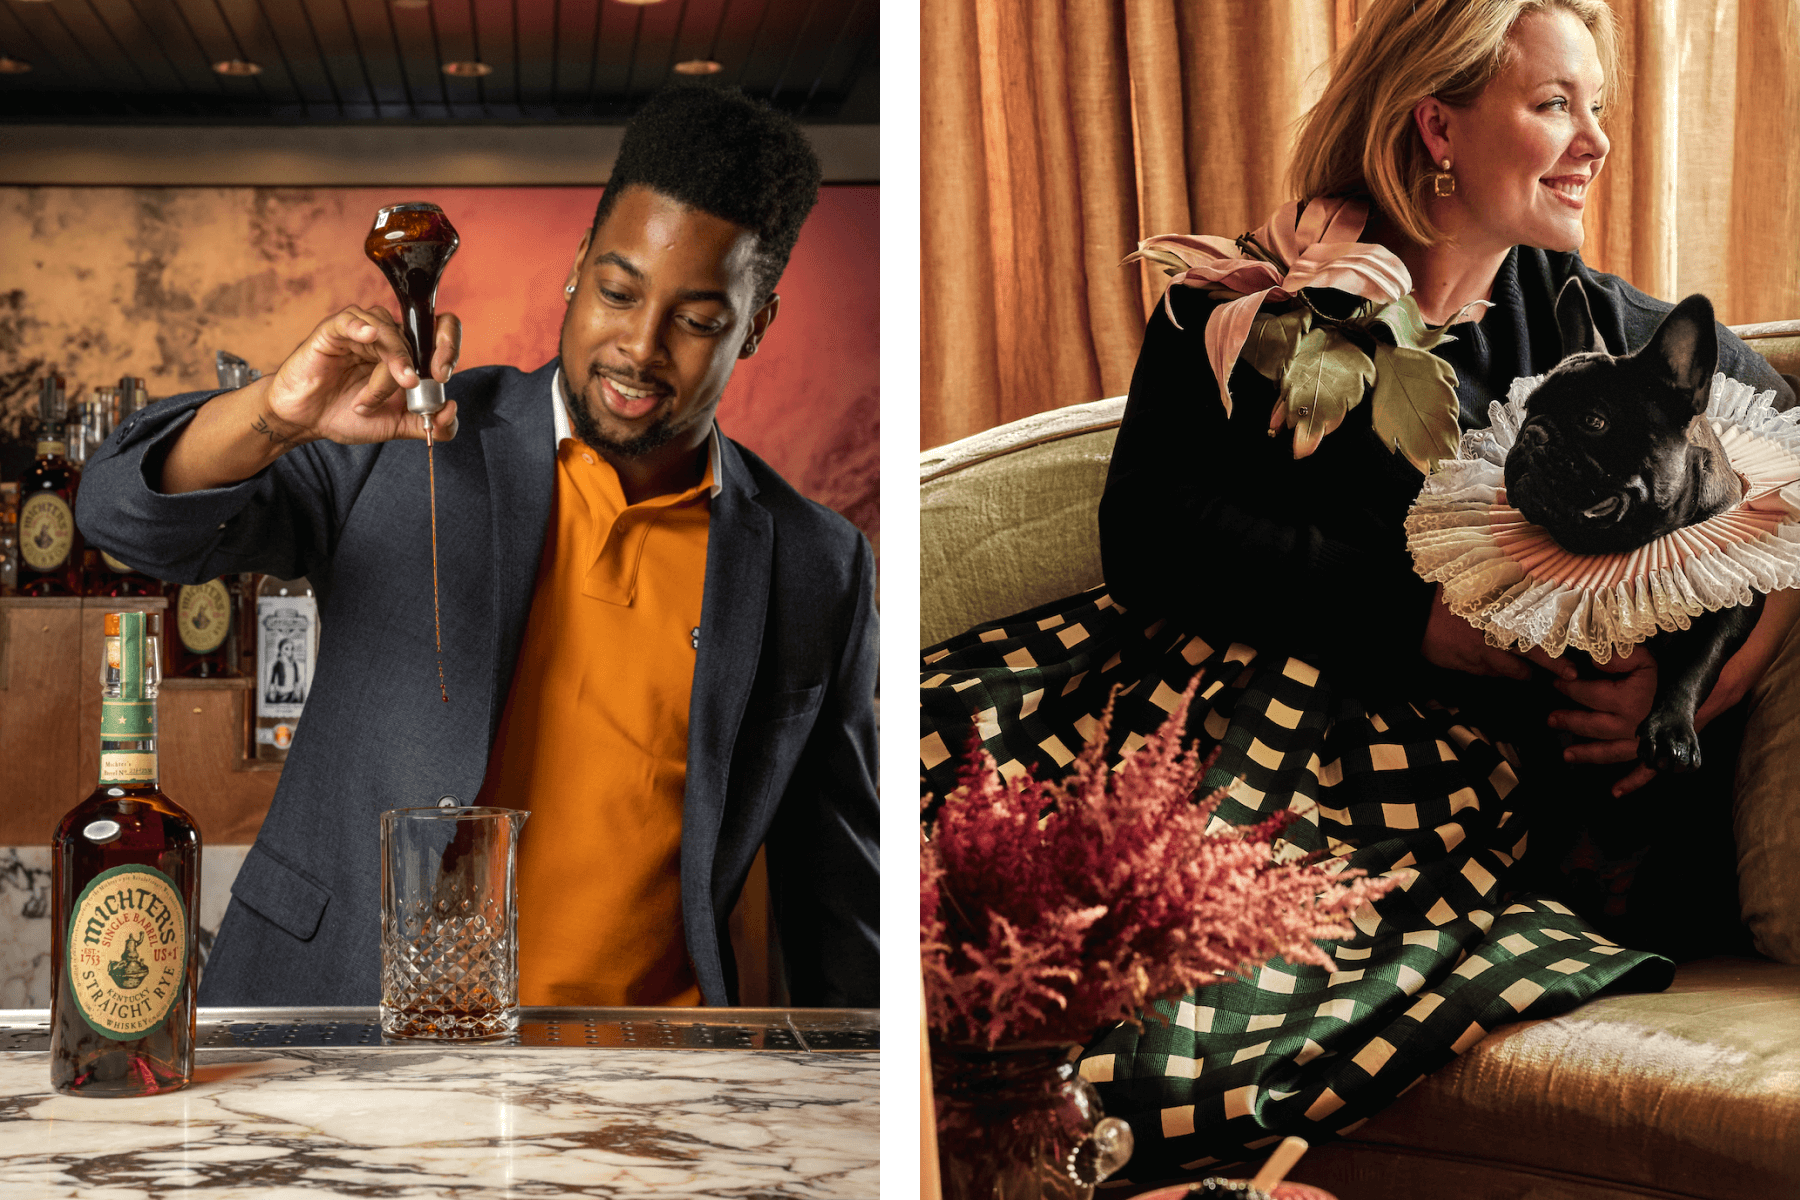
{"points": [[437, 625]]}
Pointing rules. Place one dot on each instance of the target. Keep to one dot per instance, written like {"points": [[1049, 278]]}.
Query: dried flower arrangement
{"points": [[1051, 909]]}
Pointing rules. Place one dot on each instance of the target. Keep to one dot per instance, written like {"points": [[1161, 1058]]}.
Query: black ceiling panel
{"points": [[329, 61]]}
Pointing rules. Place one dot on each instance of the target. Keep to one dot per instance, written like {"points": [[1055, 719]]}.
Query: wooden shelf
{"points": [[50, 654]]}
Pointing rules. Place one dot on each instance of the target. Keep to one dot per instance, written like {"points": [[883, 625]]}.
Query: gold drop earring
{"points": [[1443, 183]]}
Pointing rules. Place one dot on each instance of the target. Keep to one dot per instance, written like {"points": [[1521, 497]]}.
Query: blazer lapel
{"points": [[518, 450], [739, 545]]}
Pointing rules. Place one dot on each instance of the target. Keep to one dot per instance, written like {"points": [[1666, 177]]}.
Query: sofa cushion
{"points": [[1008, 518], [1690, 1092], [1766, 815]]}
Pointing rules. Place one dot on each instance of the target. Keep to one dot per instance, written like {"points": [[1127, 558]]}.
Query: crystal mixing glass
{"points": [[449, 917]]}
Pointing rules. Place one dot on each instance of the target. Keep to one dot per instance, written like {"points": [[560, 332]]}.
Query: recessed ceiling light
{"points": [[411, 3], [640, 1], [13, 66], [237, 66], [468, 70], [698, 66]]}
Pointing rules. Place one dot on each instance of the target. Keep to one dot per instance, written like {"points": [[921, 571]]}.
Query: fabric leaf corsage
{"points": [[1327, 319]]}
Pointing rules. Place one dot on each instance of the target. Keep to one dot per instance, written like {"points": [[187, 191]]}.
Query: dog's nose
{"points": [[1533, 436]]}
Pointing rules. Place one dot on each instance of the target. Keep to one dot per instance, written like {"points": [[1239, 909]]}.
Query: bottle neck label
{"points": [[128, 949], [46, 531], [127, 768]]}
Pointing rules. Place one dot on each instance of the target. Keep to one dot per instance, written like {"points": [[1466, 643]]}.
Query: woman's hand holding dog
{"points": [[1456, 645]]}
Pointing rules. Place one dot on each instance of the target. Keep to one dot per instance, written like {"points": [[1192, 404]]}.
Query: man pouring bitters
{"points": [[655, 645]]}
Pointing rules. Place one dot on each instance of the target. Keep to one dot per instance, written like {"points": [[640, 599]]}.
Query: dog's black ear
{"points": [[1576, 320], [1686, 345]]}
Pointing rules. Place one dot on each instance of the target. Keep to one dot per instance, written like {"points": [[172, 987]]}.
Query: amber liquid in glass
{"points": [[124, 825]]}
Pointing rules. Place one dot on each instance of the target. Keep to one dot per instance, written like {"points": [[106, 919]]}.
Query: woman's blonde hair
{"points": [[1360, 139]]}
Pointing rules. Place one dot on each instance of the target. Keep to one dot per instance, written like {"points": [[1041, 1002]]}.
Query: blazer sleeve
{"points": [[1209, 521], [281, 520], [824, 845]]}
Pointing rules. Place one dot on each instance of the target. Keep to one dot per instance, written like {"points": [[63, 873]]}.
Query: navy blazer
{"points": [[781, 727]]}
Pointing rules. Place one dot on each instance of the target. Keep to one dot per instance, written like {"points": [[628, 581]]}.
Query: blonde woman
{"points": [[1469, 132]]}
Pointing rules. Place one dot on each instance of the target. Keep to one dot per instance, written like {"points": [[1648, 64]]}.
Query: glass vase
{"points": [[1017, 1123]]}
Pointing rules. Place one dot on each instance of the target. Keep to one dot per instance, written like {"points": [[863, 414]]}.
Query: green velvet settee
{"points": [[1692, 1092]]}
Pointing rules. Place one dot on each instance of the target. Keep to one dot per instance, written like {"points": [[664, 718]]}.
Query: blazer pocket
{"points": [[779, 705], [280, 893]]}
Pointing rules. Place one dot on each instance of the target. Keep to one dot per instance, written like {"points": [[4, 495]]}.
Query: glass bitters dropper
{"points": [[412, 243]]}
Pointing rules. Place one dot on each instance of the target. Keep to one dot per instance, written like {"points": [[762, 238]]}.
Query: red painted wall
{"points": [[101, 282]]}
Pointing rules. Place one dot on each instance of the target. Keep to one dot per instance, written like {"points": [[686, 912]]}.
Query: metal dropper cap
{"points": [[427, 398]]}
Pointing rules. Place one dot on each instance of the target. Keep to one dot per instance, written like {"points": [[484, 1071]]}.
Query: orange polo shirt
{"points": [[594, 739]]}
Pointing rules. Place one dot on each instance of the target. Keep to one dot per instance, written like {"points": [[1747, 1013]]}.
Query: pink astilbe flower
{"points": [[1051, 909]]}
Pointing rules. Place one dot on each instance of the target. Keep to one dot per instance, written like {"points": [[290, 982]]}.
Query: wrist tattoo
{"points": [[284, 439]]}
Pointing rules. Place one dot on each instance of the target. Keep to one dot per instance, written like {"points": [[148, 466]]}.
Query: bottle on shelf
{"points": [[233, 371], [114, 577], [9, 537], [286, 647], [133, 396], [50, 547], [205, 644], [77, 435], [125, 882]]}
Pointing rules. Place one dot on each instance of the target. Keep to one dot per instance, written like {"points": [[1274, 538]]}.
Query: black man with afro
{"points": [[655, 645]]}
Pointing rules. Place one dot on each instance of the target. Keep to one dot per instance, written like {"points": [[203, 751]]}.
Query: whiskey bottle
{"points": [[125, 881], [114, 577], [49, 544], [205, 645], [9, 538], [287, 647]]}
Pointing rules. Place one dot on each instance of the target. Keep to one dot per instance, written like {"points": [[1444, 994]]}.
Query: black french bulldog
{"points": [[1615, 452]]}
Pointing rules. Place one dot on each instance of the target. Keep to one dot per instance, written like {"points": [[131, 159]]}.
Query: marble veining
{"points": [[473, 1124], [25, 915]]}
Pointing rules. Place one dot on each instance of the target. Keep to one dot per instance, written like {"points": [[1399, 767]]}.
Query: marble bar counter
{"points": [[305, 1103]]}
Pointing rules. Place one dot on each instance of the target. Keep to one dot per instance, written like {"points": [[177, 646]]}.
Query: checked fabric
{"points": [[1401, 788]]}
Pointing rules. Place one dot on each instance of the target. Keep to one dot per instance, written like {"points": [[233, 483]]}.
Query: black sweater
{"points": [[1208, 520]]}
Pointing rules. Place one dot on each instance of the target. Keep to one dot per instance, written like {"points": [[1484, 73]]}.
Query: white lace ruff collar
{"points": [[1509, 579]]}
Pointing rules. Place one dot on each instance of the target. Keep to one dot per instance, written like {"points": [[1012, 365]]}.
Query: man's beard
{"points": [[659, 434]]}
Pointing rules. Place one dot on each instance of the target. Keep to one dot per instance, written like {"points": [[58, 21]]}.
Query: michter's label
{"points": [[127, 946], [203, 616], [46, 531]]}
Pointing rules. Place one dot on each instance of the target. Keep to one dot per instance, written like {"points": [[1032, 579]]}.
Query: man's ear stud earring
{"points": [[569, 292]]}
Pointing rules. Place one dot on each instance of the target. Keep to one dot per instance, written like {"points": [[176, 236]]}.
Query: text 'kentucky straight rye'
{"points": [[125, 880]]}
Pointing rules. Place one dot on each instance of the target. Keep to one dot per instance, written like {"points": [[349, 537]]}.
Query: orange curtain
{"points": [[1055, 136]]}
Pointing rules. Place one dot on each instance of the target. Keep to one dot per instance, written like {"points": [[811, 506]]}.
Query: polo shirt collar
{"points": [[715, 460]]}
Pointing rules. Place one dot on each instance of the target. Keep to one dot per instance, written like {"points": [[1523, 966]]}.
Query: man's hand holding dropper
{"points": [[345, 383]]}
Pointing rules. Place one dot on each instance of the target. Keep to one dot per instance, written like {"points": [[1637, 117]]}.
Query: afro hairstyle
{"points": [[717, 150]]}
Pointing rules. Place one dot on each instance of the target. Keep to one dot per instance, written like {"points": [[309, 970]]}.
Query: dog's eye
{"points": [[1594, 423]]}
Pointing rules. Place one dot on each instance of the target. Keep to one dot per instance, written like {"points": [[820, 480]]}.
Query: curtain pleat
{"points": [[1100, 115], [1055, 136], [959, 371], [1764, 230]]}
